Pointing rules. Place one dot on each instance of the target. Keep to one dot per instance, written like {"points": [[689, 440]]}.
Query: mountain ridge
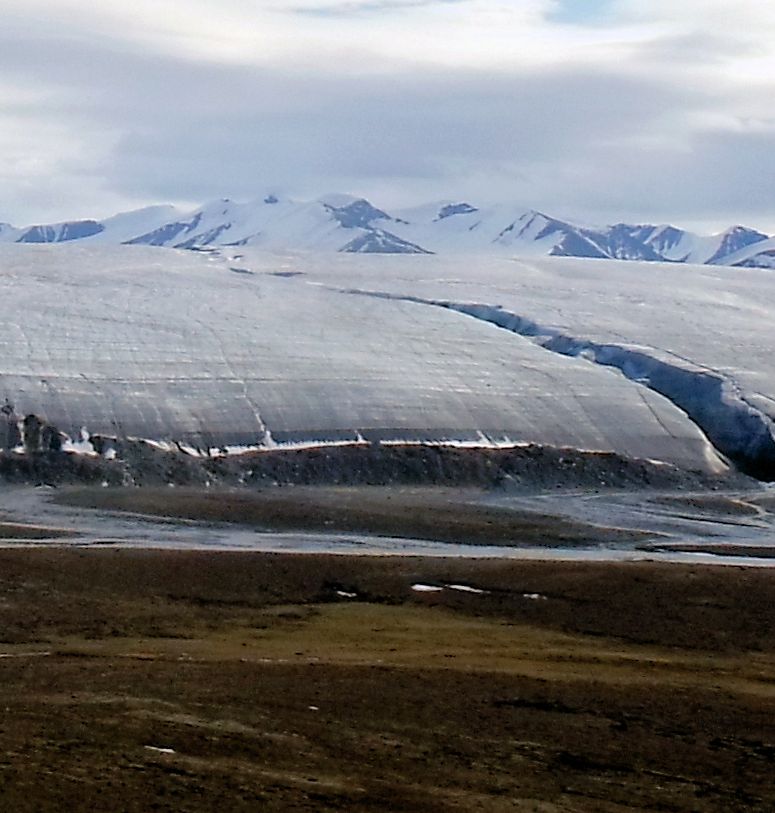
{"points": [[345, 223]]}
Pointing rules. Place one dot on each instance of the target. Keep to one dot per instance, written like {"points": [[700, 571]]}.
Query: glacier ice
{"points": [[698, 336], [174, 346]]}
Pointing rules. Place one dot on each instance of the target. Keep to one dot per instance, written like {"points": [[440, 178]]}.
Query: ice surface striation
{"points": [[240, 348], [698, 336]]}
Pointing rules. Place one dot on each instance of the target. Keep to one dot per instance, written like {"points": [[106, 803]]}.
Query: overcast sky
{"points": [[595, 109]]}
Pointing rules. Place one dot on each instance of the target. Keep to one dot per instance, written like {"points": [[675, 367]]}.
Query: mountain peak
{"points": [[452, 209], [359, 213], [338, 222], [61, 232], [733, 240]]}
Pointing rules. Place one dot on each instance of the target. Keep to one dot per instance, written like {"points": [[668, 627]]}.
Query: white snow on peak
{"points": [[342, 223], [127, 225], [338, 200], [760, 254]]}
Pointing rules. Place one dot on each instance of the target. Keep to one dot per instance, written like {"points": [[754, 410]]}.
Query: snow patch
{"points": [[159, 750], [82, 445], [466, 588]]}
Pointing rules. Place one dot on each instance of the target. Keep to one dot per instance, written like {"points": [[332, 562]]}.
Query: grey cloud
{"points": [[362, 129], [563, 140], [722, 177]]}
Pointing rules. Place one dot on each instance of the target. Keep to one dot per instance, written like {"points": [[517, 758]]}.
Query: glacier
{"points": [[239, 348], [697, 336]]}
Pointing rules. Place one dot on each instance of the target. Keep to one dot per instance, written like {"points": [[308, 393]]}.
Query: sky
{"points": [[595, 110]]}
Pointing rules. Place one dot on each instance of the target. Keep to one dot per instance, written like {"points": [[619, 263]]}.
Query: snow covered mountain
{"points": [[343, 223]]}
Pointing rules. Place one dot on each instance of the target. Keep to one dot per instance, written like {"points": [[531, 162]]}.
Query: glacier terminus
{"points": [[234, 347]]}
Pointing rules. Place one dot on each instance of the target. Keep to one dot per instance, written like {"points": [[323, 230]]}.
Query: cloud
{"points": [[441, 137], [357, 7], [659, 114]]}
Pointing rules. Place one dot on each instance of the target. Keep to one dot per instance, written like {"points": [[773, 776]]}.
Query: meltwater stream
{"points": [[671, 529]]}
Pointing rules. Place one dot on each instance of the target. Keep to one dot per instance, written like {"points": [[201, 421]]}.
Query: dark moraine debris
{"points": [[50, 439], [37, 436], [519, 469], [32, 429]]}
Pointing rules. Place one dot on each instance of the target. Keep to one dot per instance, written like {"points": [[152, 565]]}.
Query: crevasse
{"points": [[738, 430]]}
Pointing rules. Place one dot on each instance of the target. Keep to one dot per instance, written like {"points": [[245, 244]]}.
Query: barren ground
{"points": [[449, 514], [190, 681]]}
